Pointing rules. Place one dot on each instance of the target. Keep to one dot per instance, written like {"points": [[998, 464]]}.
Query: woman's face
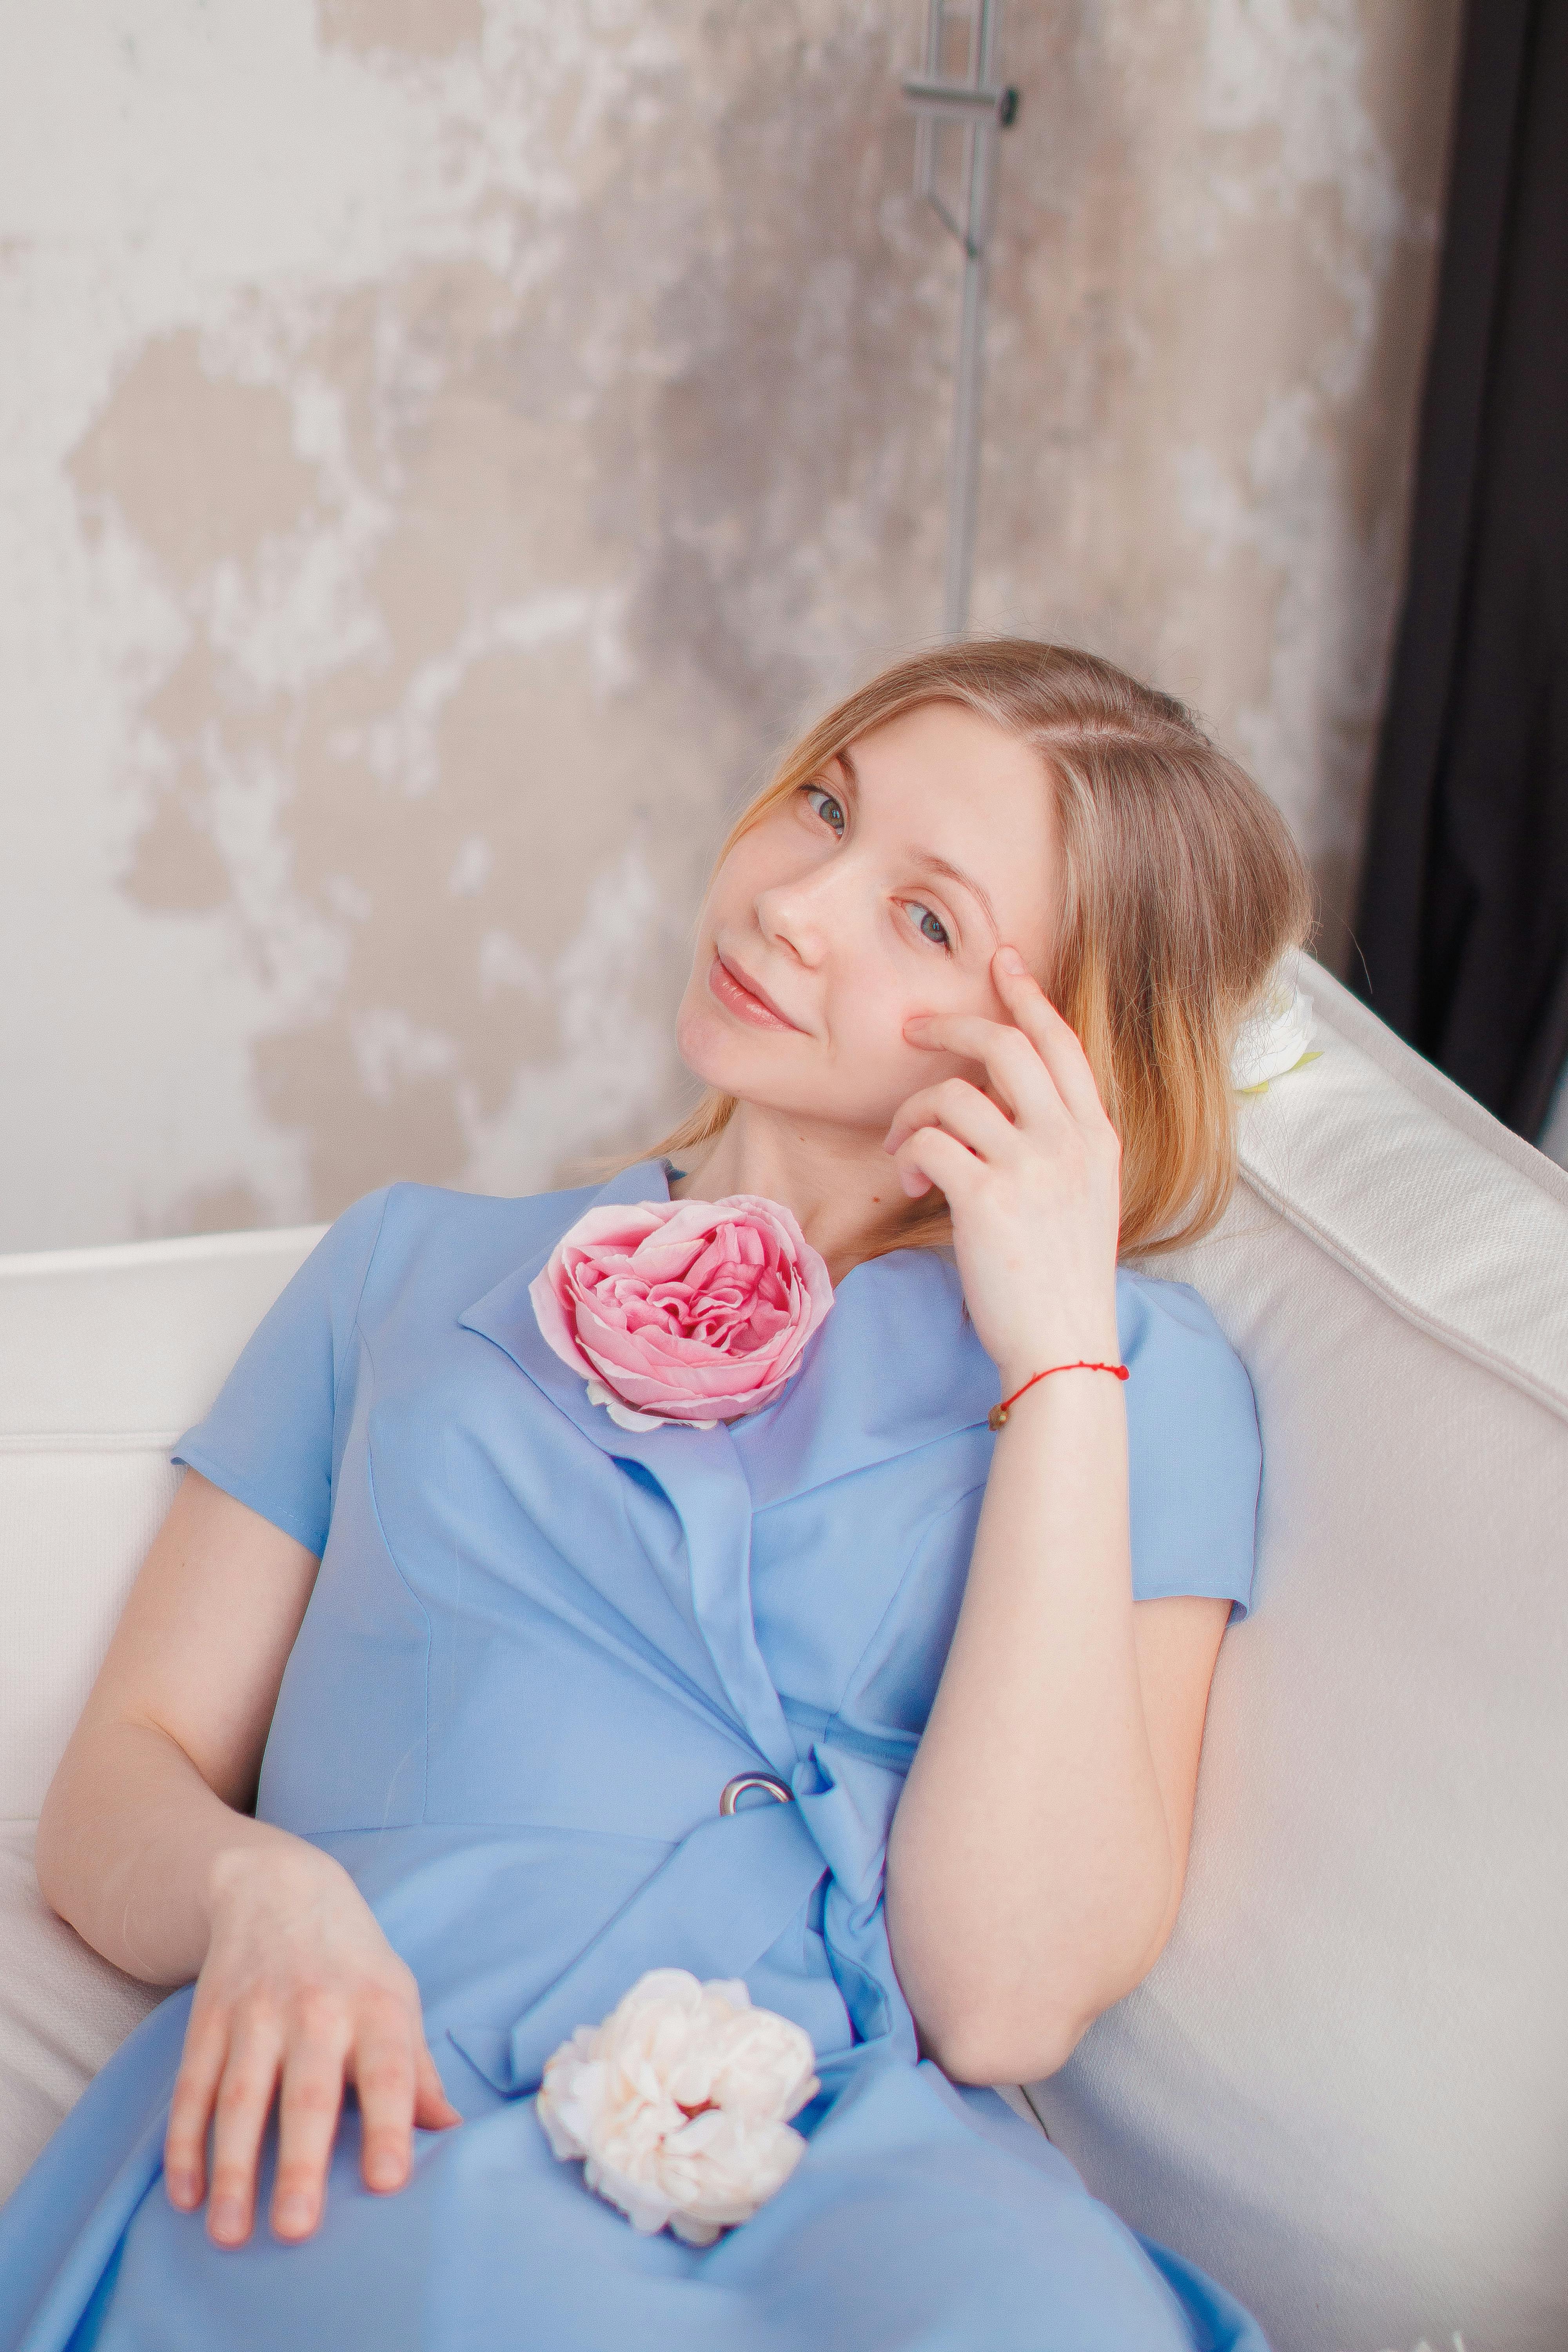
{"points": [[880, 890]]}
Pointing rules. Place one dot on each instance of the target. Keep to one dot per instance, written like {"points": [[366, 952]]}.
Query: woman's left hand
{"points": [[1031, 1171]]}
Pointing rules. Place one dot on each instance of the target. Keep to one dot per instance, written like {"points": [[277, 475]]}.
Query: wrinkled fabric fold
{"points": [[726, 1894]]}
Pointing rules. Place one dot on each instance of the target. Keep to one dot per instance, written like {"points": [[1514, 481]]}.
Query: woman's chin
{"points": [[715, 1053], [707, 1044]]}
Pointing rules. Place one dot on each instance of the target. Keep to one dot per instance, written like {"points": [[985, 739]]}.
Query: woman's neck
{"points": [[839, 1184]]}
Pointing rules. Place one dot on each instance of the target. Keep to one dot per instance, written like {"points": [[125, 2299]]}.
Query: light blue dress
{"points": [[538, 1648]]}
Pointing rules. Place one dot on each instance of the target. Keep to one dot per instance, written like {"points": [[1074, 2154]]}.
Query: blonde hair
{"points": [[1182, 889]]}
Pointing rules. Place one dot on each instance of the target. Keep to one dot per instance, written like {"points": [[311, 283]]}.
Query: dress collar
{"points": [[895, 1365]]}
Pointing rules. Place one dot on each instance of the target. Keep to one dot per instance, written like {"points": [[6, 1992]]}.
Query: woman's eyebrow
{"points": [[932, 863]]}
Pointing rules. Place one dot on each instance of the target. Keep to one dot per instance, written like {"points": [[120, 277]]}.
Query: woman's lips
{"points": [[741, 998]]}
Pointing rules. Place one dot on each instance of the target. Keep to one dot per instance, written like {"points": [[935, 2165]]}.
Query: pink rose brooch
{"points": [[693, 1311]]}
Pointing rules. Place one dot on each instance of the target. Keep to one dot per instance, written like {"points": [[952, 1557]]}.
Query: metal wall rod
{"points": [[977, 110], [943, 100]]}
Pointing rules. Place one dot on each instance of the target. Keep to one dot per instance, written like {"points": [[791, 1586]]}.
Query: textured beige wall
{"points": [[444, 443]]}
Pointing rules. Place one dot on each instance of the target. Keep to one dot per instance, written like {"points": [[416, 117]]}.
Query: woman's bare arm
{"points": [[160, 1774], [1036, 1857], [147, 1846]]}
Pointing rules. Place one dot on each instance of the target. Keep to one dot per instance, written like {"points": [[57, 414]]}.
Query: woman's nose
{"points": [[795, 915]]}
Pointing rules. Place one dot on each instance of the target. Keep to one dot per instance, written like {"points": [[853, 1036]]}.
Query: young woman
{"points": [[409, 1749]]}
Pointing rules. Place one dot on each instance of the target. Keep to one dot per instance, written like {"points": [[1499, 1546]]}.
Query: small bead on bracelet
{"points": [[998, 1412]]}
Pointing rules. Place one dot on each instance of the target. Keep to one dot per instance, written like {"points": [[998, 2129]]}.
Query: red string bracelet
{"points": [[998, 1412]]}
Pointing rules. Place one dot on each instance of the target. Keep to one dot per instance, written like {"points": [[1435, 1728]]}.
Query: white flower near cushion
{"points": [[678, 2104], [1275, 1038]]}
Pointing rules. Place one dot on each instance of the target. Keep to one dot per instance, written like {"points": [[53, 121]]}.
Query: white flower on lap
{"points": [[679, 2103]]}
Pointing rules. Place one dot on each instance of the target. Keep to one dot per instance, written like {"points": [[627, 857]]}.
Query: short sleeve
{"points": [[269, 1440], [1195, 1454]]}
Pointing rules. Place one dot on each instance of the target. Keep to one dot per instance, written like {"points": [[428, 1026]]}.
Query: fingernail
{"points": [[1010, 960], [384, 2172], [227, 2218], [181, 2188], [295, 2212]]}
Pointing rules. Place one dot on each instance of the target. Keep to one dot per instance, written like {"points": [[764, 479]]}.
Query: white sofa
{"points": [[1344, 2089]]}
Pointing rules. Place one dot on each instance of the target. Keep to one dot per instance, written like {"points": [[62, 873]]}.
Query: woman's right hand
{"points": [[299, 1994]]}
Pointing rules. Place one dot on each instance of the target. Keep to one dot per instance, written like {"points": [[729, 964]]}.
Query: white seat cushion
{"points": [[62, 2010]]}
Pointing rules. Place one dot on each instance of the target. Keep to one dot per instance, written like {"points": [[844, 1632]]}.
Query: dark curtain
{"points": [[1463, 922]]}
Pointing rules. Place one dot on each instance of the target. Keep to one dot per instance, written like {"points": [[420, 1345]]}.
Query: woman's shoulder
{"points": [[1189, 1394], [429, 1238], [1194, 1453], [1171, 1326], [436, 1215]]}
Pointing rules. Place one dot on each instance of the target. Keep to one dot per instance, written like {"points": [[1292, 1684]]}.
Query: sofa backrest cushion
{"points": [[105, 1355], [1344, 2087]]}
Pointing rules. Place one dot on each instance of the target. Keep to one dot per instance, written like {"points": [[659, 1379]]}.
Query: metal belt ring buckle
{"points": [[733, 1791]]}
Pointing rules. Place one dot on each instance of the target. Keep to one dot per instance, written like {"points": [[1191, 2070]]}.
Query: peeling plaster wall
{"points": [[446, 445]]}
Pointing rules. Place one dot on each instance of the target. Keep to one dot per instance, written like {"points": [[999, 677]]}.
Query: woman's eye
{"points": [[824, 805], [931, 926]]}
